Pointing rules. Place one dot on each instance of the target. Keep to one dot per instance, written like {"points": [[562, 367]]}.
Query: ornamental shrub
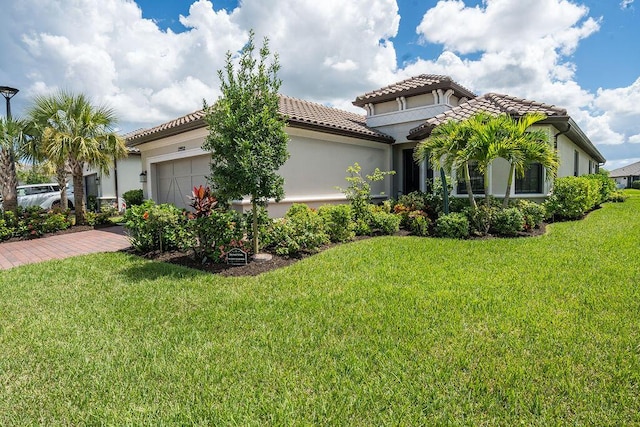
{"points": [[337, 222], [573, 196], [214, 235], [302, 229], [133, 197], [384, 222], [508, 222], [155, 227], [418, 223], [607, 185], [5, 232], [533, 213], [618, 197], [636, 185], [454, 225], [481, 218]]}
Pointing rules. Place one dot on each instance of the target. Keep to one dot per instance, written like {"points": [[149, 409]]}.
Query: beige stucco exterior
{"points": [[316, 167]]}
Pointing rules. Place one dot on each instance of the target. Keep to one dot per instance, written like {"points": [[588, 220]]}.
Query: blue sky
{"points": [[154, 60]]}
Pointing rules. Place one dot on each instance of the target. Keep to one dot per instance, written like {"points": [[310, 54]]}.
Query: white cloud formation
{"points": [[330, 52]]}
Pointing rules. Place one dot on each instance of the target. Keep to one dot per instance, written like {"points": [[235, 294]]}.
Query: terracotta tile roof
{"points": [[299, 113], [424, 83], [303, 113], [492, 103], [630, 170]]}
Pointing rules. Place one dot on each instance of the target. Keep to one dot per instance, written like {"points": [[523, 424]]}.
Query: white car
{"points": [[47, 196]]}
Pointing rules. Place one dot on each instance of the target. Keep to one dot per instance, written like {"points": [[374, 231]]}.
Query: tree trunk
{"points": [[61, 177], [507, 193], [254, 207], [9, 181], [467, 182], [78, 192], [487, 197]]}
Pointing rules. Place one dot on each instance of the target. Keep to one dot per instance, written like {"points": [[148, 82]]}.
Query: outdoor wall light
{"points": [[143, 176]]}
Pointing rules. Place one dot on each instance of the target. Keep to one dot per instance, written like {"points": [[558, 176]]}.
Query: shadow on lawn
{"points": [[158, 270]]}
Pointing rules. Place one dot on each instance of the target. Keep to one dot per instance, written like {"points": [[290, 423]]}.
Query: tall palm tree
{"points": [[13, 137], [77, 134], [447, 144], [522, 147]]}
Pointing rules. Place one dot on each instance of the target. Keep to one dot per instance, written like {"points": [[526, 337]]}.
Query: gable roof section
{"points": [[424, 83], [495, 104], [630, 170], [299, 114]]}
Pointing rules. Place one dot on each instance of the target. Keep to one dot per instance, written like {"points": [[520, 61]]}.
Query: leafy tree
{"points": [[73, 133], [36, 173], [247, 137], [13, 135], [447, 144]]}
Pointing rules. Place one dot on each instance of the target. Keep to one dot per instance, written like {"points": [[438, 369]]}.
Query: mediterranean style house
{"points": [[324, 141]]}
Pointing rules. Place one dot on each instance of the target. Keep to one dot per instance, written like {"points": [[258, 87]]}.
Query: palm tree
{"points": [[522, 147], [447, 144], [13, 136], [75, 133]]}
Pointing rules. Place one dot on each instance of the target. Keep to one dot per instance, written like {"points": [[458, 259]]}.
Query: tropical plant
{"points": [[12, 145], [73, 133], [447, 146], [520, 146], [133, 197], [247, 137]]}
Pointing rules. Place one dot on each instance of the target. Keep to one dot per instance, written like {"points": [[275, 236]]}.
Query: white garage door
{"points": [[176, 179]]}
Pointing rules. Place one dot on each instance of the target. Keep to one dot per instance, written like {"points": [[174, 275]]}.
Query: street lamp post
{"points": [[8, 93]]}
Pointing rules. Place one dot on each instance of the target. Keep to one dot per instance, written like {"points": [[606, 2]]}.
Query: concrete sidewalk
{"points": [[111, 239]]}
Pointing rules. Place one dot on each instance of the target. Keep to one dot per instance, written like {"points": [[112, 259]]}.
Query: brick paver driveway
{"points": [[109, 239]]}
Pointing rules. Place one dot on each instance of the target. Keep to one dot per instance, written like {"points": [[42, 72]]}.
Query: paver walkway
{"points": [[111, 239]]}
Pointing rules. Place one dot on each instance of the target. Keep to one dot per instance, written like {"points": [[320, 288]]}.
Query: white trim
{"points": [[306, 198], [194, 152]]}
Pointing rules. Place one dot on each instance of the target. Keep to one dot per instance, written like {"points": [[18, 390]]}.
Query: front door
{"points": [[411, 178]]}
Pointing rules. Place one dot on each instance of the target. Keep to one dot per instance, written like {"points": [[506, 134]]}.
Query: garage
{"points": [[175, 179]]}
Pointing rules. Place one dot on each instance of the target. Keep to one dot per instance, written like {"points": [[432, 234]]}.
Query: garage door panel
{"points": [[175, 179]]}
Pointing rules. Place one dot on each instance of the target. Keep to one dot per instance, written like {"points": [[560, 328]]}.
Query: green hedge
{"points": [[573, 196]]}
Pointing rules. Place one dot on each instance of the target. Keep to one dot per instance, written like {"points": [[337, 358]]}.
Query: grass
{"points": [[402, 331]]}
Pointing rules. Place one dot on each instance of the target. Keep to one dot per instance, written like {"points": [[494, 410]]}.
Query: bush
{"points": [[636, 185], [214, 235], [533, 213], [573, 196], [508, 222], [155, 227], [617, 196], [480, 219], [607, 185], [55, 221], [302, 229], [384, 222], [337, 222], [133, 197], [454, 225], [5, 231], [418, 223]]}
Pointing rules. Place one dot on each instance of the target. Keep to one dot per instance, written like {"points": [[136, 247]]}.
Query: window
{"points": [[477, 181], [576, 163], [531, 182]]}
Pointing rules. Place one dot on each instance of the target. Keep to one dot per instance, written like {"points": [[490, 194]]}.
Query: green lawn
{"points": [[393, 330]]}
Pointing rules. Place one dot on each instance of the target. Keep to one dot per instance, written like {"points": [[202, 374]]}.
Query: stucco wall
{"points": [[317, 164], [128, 171]]}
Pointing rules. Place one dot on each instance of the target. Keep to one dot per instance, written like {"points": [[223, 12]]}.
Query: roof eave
{"points": [[175, 130], [301, 124], [458, 91]]}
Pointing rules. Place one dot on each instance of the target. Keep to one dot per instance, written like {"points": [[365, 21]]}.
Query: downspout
{"points": [[555, 137], [115, 181]]}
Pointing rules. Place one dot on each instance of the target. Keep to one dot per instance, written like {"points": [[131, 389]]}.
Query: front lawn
{"points": [[390, 330]]}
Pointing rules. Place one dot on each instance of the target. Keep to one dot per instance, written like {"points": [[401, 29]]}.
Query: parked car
{"points": [[47, 196]]}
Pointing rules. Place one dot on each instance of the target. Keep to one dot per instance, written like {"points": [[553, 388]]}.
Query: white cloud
{"points": [[625, 4], [635, 139]]}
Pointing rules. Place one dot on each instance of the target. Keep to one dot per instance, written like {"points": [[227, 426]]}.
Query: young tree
{"points": [[74, 133], [12, 145], [247, 137]]}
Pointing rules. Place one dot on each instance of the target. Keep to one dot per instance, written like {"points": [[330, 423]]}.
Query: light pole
{"points": [[8, 93]]}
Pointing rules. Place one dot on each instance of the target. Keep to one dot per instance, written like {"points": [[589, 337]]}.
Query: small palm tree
{"points": [[522, 147], [447, 144], [73, 133], [13, 137]]}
